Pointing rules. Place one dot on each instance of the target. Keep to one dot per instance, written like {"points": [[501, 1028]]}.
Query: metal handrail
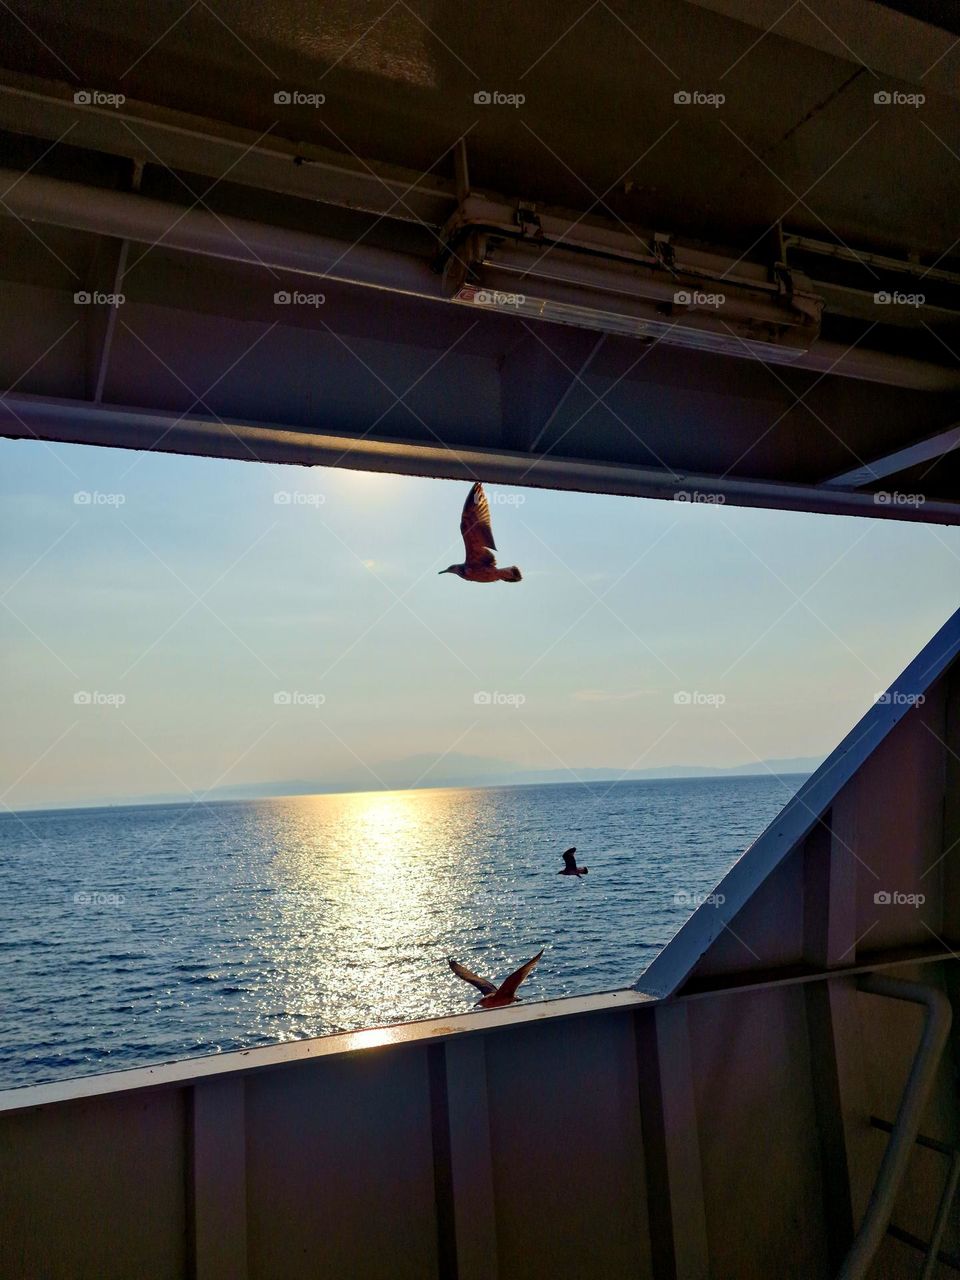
{"points": [[932, 1247], [936, 1029]]}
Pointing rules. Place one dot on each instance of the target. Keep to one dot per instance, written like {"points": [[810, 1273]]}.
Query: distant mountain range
{"points": [[416, 772], [453, 770]]}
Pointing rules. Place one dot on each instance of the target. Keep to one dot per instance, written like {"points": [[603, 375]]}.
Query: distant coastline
{"points": [[783, 768]]}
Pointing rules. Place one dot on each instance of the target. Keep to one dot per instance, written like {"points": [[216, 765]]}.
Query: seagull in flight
{"points": [[495, 997], [480, 564], [570, 867]]}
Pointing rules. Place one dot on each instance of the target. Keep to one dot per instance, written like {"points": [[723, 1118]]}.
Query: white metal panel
{"points": [[95, 1190], [758, 1137], [339, 1154], [568, 1151], [340, 1178], [471, 1160], [217, 1179]]}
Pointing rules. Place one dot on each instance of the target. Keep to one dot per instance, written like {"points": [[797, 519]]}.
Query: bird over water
{"points": [[495, 997], [480, 564], [570, 867]]}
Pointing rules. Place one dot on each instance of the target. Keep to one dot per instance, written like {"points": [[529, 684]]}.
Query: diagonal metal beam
{"points": [[102, 318], [892, 463]]}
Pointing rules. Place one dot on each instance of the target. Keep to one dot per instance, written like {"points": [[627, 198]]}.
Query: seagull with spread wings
{"points": [[480, 564], [495, 997], [570, 867]]}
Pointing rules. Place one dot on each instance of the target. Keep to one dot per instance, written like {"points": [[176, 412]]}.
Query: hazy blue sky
{"points": [[624, 603]]}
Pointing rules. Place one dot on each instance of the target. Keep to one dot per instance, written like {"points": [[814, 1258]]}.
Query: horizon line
{"points": [[188, 800]]}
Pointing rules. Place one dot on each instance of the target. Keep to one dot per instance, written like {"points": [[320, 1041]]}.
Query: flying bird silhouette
{"points": [[480, 564], [570, 867], [493, 996]]}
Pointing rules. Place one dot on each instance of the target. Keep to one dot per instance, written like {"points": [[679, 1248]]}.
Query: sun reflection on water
{"points": [[367, 900]]}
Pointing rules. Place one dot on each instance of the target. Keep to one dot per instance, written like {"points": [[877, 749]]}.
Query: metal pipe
{"points": [[125, 215], [932, 1247], [908, 1238], [83, 422], [823, 249], [941, 1220], [939, 1016], [192, 230], [952, 1153]]}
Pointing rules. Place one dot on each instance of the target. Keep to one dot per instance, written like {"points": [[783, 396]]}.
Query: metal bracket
{"points": [[461, 260], [663, 250], [528, 220], [782, 277]]}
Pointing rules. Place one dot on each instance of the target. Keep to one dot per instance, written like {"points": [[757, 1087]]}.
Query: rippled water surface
{"points": [[132, 936]]}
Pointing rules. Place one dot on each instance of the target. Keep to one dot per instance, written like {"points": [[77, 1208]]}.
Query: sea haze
{"points": [[136, 935]]}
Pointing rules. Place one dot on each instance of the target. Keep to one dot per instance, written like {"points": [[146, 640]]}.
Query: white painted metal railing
{"points": [[939, 1017]]}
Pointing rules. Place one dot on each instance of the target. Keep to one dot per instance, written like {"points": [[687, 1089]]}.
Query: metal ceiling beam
{"points": [[157, 136], [872, 35], [148, 135], [190, 230], [893, 463], [82, 422]]}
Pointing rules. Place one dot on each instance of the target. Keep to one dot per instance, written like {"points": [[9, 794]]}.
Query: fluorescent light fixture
{"points": [[689, 329]]}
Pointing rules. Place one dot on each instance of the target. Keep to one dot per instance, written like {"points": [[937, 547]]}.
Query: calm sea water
{"points": [[135, 935]]}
